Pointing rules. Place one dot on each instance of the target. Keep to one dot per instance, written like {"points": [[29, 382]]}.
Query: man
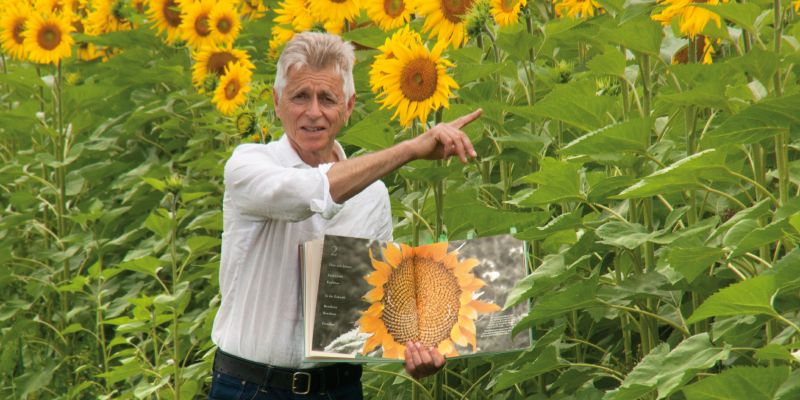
{"points": [[299, 188]]}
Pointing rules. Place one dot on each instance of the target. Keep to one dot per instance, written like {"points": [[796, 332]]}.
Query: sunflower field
{"points": [[648, 152]]}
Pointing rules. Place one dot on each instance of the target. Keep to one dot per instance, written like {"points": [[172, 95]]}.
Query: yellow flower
{"points": [[107, 16], [230, 93], [224, 22], [279, 36], [797, 6], [388, 14], [296, 14], [445, 19], [422, 294], [506, 12], [195, 23], [214, 59], [88, 51], [166, 16], [47, 38], [12, 23], [402, 37], [253, 9], [413, 80], [691, 20], [334, 12], [577, 8]]}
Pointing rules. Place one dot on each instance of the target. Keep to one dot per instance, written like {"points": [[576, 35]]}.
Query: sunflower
{"points": [[195, 23], [224, 22], [294, 13], [230, 93], [107, 16], [402, 37], [506, 12], [166, 16], [214, 59], [413, 80], [797, 6], [47, 38], [12, 25], [278, 37], [253, 9], [422, 294], [389, 14], [333, 13], [691, 20], [88, 51], [445, 19], [577, 8]]}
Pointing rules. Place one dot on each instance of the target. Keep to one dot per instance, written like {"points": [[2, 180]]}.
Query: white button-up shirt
{"points": [[273, 202]]}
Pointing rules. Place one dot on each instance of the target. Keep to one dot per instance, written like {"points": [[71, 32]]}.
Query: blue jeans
{"points": [[226, 387]]}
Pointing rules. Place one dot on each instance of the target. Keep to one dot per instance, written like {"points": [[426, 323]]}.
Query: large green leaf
{"points": [[547, 361], [611, 142], [751, 383], [693, 261], [755, 123], [742, 14], [550, 273], [560, 223], [575, 297], [611, 62], [749, 297], [761, 236], [787, 271], [574, 103], [556, 181], [667, 371], [371, 133], [640, 34], [682, 175], [624, 234]]}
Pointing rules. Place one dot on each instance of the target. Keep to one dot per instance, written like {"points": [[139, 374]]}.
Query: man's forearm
{"points": [[349, 177]]}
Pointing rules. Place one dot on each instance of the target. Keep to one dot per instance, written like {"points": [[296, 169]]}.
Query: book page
{"points": [[374, 297]]}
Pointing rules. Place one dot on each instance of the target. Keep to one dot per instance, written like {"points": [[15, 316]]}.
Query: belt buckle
{"points": [[296, 377]]}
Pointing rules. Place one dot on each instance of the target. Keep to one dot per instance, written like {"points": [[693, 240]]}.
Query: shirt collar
{"points": [[289, 156]]}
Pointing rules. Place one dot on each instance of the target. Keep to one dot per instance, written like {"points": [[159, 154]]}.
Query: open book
{"points": [[363, 300]]}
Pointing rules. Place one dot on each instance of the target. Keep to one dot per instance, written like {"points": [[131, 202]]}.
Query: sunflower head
{"points": [[47, 38], [389, 14], [410, 78], [445, 19], [232, 88], [224, 22], [507, 12], [12, 27], [210, 62], [422, 294], [166, 15], [196, 23], [246, 123]]}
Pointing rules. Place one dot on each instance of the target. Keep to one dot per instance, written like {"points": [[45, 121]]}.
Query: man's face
{"points": [[312, 108]]}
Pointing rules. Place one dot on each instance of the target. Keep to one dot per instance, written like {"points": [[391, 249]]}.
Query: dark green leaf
{"points": [[371, 133], [750, 297], [693, 261], [751, 383], [755, 123]]}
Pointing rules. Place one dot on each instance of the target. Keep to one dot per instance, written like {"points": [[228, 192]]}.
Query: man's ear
{"points": [[275, 101], [350, 104]]}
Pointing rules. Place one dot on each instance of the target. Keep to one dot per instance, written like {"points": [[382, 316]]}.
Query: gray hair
{"points": [[317, 50]]}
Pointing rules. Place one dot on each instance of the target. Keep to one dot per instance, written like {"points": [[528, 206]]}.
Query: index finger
{"points": [[466, 119]]}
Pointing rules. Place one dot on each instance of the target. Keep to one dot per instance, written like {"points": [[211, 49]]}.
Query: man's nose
{"points": [[314, 109]]}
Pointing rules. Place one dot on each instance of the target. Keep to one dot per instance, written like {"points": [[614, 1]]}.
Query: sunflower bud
{"points": [[477, 17], [246, 123], [564, 71], [174, 182], [73, 78]]}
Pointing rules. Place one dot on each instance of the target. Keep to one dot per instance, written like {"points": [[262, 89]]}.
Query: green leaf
{"points": [[751, 383], [547, 361], [759, 63], [609, 143], [371, 133], [750, 297], [624, 234], [611, 62], [682, 175], [560, 223], [708, 95], [755, 123], [693, 261], [552, 272], [159, 224], [773, 351], [787, 271], [370, 36], [33, 381], [557, 181], [575, 297], [146, 265], [640, 34], [667, 371], [761, 236], [157, 184], [575, 103], [741, 14]]}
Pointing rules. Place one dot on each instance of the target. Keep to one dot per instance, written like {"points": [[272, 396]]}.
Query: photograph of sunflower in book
{"points": [[370, 298]]}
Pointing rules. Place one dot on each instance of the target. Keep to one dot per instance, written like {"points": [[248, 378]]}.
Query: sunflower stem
{"points": [[438, 189], [60, 149], [174, 256]]}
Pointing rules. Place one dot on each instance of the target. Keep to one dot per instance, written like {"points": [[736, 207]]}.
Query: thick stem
{"points": [[175, 277]]}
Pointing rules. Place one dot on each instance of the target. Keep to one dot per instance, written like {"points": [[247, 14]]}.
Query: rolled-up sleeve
{"points": [[260, 187]]}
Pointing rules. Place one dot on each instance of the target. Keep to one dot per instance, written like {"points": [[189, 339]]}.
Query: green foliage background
{"points": [[659, 202]]}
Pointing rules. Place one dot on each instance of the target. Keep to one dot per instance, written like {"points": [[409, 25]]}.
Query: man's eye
{"points": [[300, 97]]}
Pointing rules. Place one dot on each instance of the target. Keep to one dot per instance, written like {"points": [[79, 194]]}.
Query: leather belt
{"points": [[299, 381]]}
